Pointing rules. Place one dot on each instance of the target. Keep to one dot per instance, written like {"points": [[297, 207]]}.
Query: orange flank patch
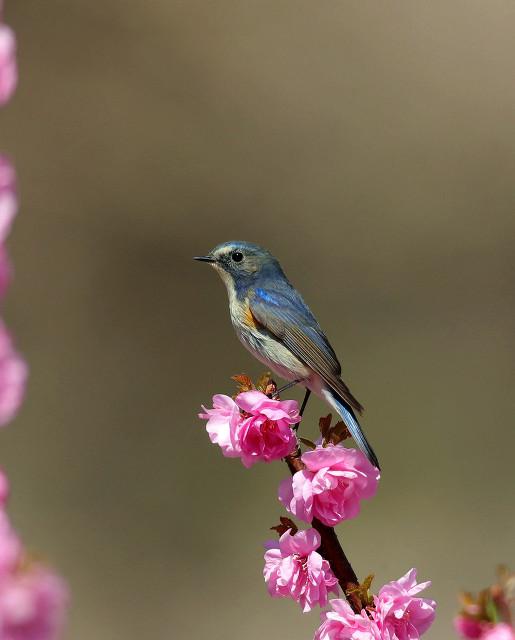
{"points": [[250, 321]]}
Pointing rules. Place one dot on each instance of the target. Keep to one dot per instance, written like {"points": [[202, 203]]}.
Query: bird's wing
{"points": [[285, 315]]}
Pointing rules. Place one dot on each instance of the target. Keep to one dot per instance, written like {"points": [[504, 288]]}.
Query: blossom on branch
{"points": [[252, 427], [294, 569], [222, 422], [341, 623], [266, 433], [397, 614], [331, 486]]}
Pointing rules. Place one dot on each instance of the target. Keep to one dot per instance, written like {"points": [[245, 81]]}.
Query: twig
{"points": [[330, 547]]}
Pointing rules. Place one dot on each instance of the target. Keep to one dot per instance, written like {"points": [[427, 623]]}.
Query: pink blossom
{"points": [[10, 549], [468, 627], [294, 569], [500, 631], [32, 605], [341, 623], [222, 421], [8, 67], [32, 598], [253, 427], [331, 486], [399, 614], [265, 434], [13, 377], [8, 198]]}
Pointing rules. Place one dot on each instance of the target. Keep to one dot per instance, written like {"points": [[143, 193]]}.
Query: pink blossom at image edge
{"points": [[252, 427], [499, 631], [472, 629], [8, 197], [331, 486], [8, 65], [33, 599], [294, 569], [13, 378]]}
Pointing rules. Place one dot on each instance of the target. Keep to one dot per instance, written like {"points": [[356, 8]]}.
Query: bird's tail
{"points": [[348, 416]]}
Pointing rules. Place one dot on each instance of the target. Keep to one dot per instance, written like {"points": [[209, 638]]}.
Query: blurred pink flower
{"points": [[33, 602], [8, 198], [294, 569], [32, 598], [341, 623], [222, 421], [265, 434], [399, 614], [4, 489], [331, 486], [10, 549], [13, 377], [8, 67], [253, 428], [500, 631], [469, 627]]}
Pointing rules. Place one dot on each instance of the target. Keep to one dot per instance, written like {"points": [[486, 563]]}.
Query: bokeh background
{"points": [[371, 146]]}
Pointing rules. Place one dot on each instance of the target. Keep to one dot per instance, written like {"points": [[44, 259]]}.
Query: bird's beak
{"points": [[204, 258]]}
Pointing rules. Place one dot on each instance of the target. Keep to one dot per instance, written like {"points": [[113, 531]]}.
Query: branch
{"points": [[330, 547]]}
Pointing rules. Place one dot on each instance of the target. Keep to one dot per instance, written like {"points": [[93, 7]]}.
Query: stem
{"points": [[330, 547]]}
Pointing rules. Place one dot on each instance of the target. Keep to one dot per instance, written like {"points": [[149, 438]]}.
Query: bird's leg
{"points": [[302, 407], [305, 401], [286, 386]]}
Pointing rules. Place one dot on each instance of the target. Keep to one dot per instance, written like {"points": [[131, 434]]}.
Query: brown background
{"points": [[370, 145]]}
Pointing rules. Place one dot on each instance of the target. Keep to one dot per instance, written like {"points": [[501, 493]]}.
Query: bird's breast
{"points": [[263, 345]]}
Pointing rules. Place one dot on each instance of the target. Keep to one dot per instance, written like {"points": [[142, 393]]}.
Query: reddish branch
{"points": [[331, 549]]}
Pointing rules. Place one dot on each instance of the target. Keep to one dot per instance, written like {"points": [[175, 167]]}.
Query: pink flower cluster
{"points": [[32, 598], [331, 486], [294, 569], [252, 427], [398, 614]]}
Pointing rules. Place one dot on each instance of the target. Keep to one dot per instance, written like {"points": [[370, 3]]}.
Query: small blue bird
{"points": [[274, 323]]}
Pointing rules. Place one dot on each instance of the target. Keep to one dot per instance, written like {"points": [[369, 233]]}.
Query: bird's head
{"points": [[239, 263]]}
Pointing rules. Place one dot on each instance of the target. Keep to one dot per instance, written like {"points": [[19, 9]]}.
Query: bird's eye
{"points": [[237, 256]]}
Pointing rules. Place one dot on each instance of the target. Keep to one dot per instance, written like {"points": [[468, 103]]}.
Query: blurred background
{"points": [[371, 147]]}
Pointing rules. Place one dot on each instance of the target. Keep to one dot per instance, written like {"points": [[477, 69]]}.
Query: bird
{"points": [[274, 323]]}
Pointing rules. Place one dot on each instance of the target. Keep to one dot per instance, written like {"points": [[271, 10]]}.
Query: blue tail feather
{"points": [[347, 415]]}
